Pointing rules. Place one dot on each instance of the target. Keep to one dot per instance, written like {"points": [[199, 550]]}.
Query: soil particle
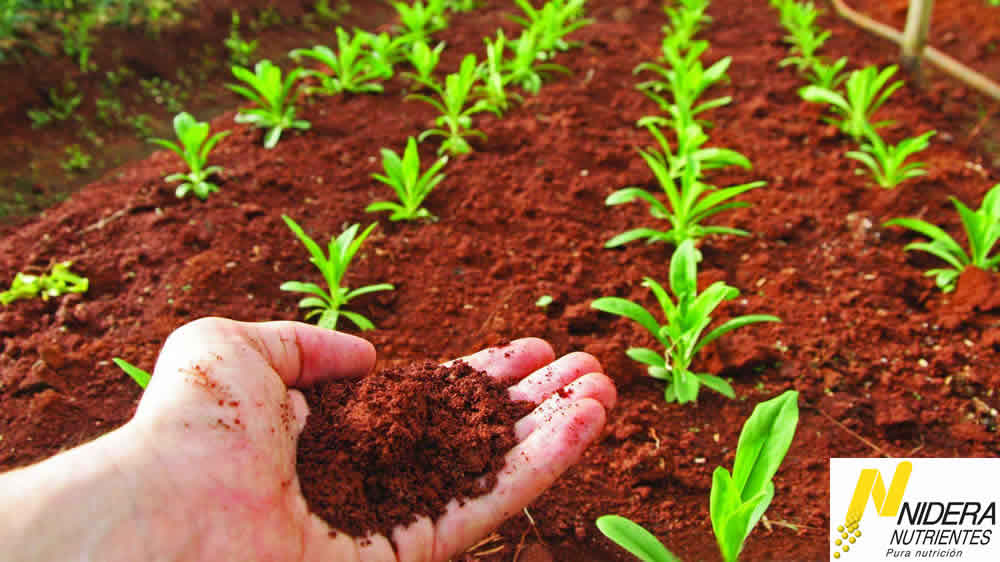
{"points": [[378, 452]]}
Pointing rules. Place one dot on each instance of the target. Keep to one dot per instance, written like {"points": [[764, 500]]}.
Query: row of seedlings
{"points": [[359, 65], [738, 499], [863, 92]]}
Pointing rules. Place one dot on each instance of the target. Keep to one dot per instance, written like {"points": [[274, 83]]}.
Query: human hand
{"points": [[221, 418]]}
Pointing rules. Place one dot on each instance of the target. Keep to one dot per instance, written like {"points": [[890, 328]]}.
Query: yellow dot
{"points": [[857, 533], [846, 548], [851, 540], [840, 529], [843, 536], [836, 555], [839, 542]]}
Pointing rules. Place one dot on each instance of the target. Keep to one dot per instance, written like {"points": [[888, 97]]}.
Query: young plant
{"points": [[686, 80], [327, 303], [686, 19], [59, 281], [827, 76], [865, 95], [983, 229], [240, 50], [424, 60], [690, 203], [687, 315], [455, 121], [140, 377], [196, 147], [420, 19], [385, 50], [492, 72], [737, 501], [63, 107], [274, 96], [353, 69], [524, 69], [76, 159], [404, 177], [799, 19], [552, 23], [689, 145], [461, 5], [634, 538], [887, 162]]}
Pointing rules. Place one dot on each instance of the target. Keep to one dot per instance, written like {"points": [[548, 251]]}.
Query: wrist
{"points": [[95, 502]]}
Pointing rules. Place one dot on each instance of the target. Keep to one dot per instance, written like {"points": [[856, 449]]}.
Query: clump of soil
{"points": [[379, 451]]}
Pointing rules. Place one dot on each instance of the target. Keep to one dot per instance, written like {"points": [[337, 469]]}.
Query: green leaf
{"points": [[763, 443], [717, 384], [647, 356], [140, 377], [733, 324], [628, 309], [633, 538]]}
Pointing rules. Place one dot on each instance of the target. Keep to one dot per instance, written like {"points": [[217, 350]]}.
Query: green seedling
{"points": [[59, 281], [738, 500], [524, 69], [63, 106], [689, 145], [690, 203], [420, 20], [687, 315], [77, 41], [240, 50], [327, 303], [865, 95], [982, 228], [165, 93], [827, 76], [76, 159], [887, 162], [353, 70], [325, 12], [686, 79], [686, 19], [552, 23], [455, 121], [194, 149], [274, 96], [634, 538], [424, 60], [544, 301], [493, 75], [404, 177], [140, 377], [385, 50], [799, 19]]}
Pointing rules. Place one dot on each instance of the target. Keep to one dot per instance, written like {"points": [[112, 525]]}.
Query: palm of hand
{"points": [[224, 426]]}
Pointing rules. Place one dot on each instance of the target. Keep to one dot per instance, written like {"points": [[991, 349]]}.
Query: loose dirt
{"points": [[885, 363]]}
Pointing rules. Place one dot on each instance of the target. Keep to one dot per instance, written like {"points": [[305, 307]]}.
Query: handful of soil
{"points": [[379, 451]]}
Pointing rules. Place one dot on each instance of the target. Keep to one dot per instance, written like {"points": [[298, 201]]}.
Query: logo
{"points": [[914, 509], [871, 485]]}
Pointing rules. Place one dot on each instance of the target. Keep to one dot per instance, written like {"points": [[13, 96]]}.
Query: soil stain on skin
{"points": [[378, 452]]}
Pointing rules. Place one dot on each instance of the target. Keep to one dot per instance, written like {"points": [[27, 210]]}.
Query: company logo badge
{"points": [[917, 509]]}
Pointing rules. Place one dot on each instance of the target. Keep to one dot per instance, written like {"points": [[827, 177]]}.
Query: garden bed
{"points": [[885, 363]]}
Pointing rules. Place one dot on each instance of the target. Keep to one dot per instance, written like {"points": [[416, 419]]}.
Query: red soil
{"points": [[377, 452], [884, 362]]}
